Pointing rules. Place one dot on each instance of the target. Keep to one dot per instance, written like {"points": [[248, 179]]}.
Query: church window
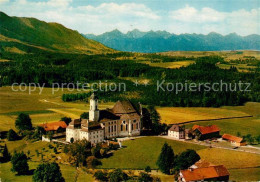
{"points": [[126, 127], [115, 128], [111, 128], [121, 127], [108, 129], [132, 126]]}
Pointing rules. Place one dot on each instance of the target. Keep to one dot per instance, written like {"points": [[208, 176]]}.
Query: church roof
{"points": [[107, 115], [123, 107]]}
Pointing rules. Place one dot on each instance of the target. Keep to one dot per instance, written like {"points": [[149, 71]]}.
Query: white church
{"points": [[122, 120]]}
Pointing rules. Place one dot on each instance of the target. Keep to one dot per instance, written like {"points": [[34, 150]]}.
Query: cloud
{"points": [[126, 9], [87, 19], [207, 19], [105, 17], [190, 14], [4, 1]]}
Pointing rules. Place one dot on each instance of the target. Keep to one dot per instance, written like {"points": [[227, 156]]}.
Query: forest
{"points": [[49, 67]]}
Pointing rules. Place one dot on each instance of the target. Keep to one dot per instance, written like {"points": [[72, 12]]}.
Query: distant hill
{"points": [[24, 34], [162, 41]]}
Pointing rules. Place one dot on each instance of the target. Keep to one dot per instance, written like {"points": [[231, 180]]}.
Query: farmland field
{"points": [[148, 149], [228, 55], [172, 65], [45, 107], [172, 115], [68, 172], [247, 125], [145, 148]]}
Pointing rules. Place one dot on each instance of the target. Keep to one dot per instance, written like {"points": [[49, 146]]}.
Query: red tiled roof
{"points": [[54, 126], [204, 173], [232, 138], [202, 163], [206, 129]]}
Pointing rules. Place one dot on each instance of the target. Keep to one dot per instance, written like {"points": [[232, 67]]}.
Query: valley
{"points": [[60, 102]]}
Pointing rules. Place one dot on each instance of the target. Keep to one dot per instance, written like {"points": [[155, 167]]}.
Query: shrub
{"points": [[92, 162], [117, 175], [48, 172], [12, 136], [186, 159], [145, 177], [147, 169], [101, 176], [19, 163], [23, 122]]}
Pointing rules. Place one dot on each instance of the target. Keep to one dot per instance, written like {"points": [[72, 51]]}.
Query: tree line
{"points": [[52, 68]]}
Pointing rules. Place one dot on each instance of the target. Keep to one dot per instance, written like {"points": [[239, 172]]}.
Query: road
{"points": [[241, 149]]}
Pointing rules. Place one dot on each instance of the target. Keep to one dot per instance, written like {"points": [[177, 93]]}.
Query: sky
{"points": [[175, 16]]}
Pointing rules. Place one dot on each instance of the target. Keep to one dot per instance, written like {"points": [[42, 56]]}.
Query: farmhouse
{"points": [[234, 140], [176, 132], [205, 132], [122, 120], [211, 173]]}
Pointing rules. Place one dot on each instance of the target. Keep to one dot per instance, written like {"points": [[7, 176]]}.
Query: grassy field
{"points": [[45, 107], [243, 174], [68, 172], [228, 55], [142, 152], [137, 154], [231, 159], [171, 115], [172, 65]]}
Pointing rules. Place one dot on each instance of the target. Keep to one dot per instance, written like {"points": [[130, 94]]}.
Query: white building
{"points": [[121, 121], [176, 132]]}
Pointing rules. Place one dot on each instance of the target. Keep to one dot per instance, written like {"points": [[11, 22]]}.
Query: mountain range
{"points": [[24, 34], [163, 41]]}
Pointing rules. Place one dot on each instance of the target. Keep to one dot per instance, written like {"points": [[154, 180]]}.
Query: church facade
{"points": [[122, 120]]}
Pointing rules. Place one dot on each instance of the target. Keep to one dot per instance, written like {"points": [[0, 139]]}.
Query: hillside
{"points": [[162, 41], [25, 34]]}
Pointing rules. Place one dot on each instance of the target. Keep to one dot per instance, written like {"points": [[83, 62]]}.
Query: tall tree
{"points": [[66, 120], [166, 159], [48, 172], [19, 163], [79, 151], [84, 115], [23, 122], [6, 154], [186, 159]]}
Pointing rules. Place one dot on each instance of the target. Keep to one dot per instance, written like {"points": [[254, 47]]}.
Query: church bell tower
{"points": [[93, 110]]}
